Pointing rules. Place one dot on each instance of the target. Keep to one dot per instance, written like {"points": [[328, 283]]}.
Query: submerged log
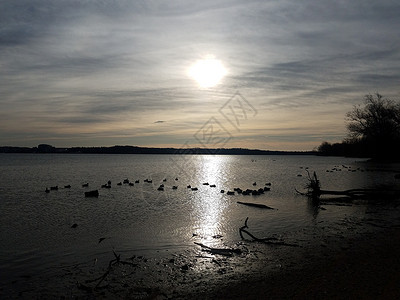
{"points": [[255, 205], [220, 251], [94, 193]]}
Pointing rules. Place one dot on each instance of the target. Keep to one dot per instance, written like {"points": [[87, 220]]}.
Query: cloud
{"points": [[92, 65]]}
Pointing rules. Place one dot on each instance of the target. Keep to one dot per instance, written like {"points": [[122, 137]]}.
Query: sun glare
{"points": [[207, 72]]}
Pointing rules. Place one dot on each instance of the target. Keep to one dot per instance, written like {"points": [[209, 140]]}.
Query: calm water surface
{"points": [[36, 233]]}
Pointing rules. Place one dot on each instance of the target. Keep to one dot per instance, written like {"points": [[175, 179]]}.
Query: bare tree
{"points": [[377, 124]]}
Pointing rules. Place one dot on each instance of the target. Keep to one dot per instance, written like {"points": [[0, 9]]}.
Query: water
{"points": [[36, 234]]}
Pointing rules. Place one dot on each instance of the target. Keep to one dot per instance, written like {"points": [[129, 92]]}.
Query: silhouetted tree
{"points": [[376, 125]]}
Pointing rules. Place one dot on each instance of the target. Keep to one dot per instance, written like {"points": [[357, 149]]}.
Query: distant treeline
{"points": [[44, 148], [345, 148]]}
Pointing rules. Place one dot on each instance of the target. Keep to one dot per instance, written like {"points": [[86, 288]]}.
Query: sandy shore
{"points": [[370, 269], [356, 260]]}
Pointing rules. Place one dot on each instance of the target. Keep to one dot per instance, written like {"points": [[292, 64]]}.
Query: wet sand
{"points": [[353, 260], [370, 269]]}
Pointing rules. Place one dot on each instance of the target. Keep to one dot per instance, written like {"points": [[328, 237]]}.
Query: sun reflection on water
{"points": [[209, 206]]}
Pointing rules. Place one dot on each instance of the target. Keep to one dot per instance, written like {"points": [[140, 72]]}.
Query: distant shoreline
{"points": [[43, 148]]}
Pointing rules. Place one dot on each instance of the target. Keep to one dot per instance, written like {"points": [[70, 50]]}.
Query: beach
{"points": [[370, 269], [328, 265]]}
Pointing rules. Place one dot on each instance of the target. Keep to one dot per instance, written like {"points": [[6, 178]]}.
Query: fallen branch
{"points": [[268, 240], [314, 191], [100, 279], [354, 193]]}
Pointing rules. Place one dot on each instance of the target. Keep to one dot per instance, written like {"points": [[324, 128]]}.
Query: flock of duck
{"points": [[95, 193], [343, 167]]}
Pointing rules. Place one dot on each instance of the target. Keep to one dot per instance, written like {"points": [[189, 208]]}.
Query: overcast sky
{"points": [[102, 73]]}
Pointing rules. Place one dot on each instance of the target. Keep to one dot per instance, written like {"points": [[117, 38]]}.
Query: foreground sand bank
{"points": [[352, 259]]}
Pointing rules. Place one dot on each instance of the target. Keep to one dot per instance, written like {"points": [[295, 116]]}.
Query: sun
{"points": [[207, 72]]}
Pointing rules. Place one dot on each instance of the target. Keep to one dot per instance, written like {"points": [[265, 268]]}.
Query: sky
{"points": [[103, 73]]}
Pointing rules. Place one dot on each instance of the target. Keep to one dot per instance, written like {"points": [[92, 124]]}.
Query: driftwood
{"points": [[100, 279], [94, 193], [268, 240], [220, 251], [255, 205], [314, 191]]}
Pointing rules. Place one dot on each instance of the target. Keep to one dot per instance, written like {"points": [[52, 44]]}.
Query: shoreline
{"points": [[326, 265]]}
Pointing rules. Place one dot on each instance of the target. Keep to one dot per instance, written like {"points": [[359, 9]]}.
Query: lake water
{"points": [[36, 233]]}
